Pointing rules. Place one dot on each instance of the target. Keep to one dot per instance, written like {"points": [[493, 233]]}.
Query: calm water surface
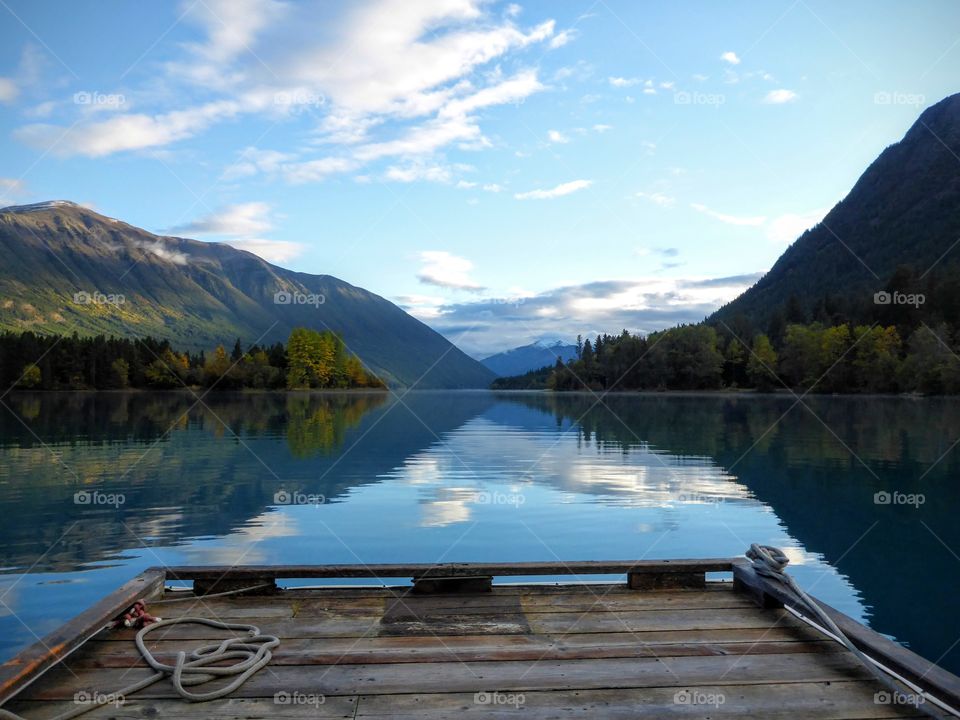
{"points": [[96, 487]]}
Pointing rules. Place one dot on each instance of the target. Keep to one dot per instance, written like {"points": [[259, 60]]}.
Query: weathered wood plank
{"points": [[226, 709], [794, 701], [332, 625], [301, 606], [396, 678], [304, 653], [36, 659], [928, 675]]}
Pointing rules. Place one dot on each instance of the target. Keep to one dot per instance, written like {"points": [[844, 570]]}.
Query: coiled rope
{"points": [[252, 652], [770, 562]]}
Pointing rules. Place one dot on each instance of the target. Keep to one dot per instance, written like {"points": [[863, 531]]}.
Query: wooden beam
{"points": [[262, 573], [20, 671], [446, 585], [768, 592]]}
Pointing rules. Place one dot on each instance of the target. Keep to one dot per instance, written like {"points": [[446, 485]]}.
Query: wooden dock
{"points": [[666, 644]]}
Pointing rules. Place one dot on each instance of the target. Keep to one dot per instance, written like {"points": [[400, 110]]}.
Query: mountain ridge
{"points": [[64, 263], [524, 358], [902, 211]]}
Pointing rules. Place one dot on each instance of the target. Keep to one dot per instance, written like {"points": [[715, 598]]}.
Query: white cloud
{"points": [[555, 136], [600, 128], [241, 226], [753, 221], [658, 198], [447, 270], [641, 304], [273, 251], [730, 57], [621, 82], [244, 219], [558, 191], [315, 170], [779, 97], [163, 252], [409, 72], [126, 132], [253, 160], [421, 171], [492, 187], [10, 188], [562, 38], [8, 90], [788, 227]]}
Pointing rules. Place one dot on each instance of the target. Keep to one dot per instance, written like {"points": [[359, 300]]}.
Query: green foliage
{"points": [[809, 358], [82, 363], [30, 377], [762, 364]]}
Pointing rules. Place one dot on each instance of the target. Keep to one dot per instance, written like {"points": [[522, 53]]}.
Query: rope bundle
{"points": [[251, 652]]}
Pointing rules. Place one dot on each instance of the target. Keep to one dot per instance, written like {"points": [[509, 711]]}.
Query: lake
{"points": [[861, 492]]}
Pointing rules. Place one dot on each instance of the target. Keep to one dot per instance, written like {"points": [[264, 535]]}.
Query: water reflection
{"points": [[478, 476]]}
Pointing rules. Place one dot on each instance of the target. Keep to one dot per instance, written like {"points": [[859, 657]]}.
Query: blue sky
{"points": [[505, 172]]}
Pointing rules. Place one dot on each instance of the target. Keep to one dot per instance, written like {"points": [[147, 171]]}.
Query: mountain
{"points": [[68, 269], [903, 212], [529, 357]]}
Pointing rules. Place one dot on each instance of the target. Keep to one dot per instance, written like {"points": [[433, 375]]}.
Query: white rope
{"points": [[251, 652], [770, 562]]}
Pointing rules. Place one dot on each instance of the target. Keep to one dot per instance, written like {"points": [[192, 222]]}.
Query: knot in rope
{"points": [[768, 560]]}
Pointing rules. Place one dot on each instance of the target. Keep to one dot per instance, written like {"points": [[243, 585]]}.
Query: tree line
{"points": [[310, 359], [840, 358]]}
